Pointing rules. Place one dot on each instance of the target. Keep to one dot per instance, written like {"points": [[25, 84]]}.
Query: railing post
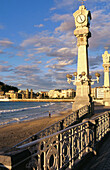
{"points": [[45, 158], [79, 144], [72, 147], [87, 138], [81, 140], [70, 164], [60, 155]]}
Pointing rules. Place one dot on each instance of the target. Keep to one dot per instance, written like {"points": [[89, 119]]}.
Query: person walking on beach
{"points": [[49, 114]]}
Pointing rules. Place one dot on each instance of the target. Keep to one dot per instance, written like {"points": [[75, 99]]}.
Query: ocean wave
{"points": [[23, 109], [15, 119], [18, 110]]}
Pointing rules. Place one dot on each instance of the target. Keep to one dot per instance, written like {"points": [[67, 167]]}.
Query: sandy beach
{"points": [[14, 133]]}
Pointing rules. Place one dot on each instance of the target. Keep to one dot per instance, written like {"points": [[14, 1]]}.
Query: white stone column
{"points": [[106, 65], [82, 65], [82, 18], [106, 76]]}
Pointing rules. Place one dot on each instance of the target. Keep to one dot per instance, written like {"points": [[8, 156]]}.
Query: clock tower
{"points": [[106, 65], [82, 32]]}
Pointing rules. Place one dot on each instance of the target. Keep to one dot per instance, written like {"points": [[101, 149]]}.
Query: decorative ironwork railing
{"points": [[60, 125], [62, 149], [102, 123]]}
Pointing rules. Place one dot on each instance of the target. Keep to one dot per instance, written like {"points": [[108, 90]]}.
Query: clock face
{"points": [[106, 58], [81, 18]]}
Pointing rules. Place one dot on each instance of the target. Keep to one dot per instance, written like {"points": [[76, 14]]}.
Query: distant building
{"points": [[43, 94], [11, 94], [98, 92], [31, 94], [27, 94], [2, 96], [54, 94], [70, 93]]}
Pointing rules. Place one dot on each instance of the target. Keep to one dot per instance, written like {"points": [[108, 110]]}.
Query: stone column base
{"points": [[80, 102]]}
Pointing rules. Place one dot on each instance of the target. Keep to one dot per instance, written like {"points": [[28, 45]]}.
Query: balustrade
{"points": [[60, 125], [63, 148]]}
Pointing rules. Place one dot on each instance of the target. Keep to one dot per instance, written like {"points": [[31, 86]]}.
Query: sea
{"points": [[12, 112]]}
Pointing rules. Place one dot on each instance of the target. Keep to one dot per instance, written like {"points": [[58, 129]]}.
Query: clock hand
{"points": [[80, 18]]}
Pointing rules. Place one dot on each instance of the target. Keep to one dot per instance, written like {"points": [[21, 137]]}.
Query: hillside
{"points": [[4, 87]]}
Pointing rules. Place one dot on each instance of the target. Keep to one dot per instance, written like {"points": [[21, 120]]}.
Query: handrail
{"points": [[57, 133], [94, 118], [58, 126], [52, 135]]}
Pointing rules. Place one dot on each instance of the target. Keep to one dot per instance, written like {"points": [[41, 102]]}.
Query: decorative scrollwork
{"points": [[52, 158], [65, 152]]}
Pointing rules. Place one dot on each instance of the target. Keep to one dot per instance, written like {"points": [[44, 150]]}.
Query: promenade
{"points": [[102, 160]]}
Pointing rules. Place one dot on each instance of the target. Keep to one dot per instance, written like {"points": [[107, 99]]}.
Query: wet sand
{"points": [[14, 133]]}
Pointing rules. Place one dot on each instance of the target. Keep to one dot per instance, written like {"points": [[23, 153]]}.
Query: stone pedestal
{"points": [[82, 95]]}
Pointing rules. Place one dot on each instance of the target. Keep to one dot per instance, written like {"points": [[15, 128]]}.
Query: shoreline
{"points": [[41, 100], [14, 133]]}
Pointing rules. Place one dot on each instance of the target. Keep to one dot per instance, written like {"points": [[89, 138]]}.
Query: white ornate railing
{"points": [[58, 126], [102, 123], [64, 148], [61, 149]]}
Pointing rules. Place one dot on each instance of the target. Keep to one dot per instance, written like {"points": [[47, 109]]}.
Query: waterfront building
{"points": [[11, 94], [54, 94], [31, 94], [2, 96], [69, 93], [27, 94], [43, 94]]}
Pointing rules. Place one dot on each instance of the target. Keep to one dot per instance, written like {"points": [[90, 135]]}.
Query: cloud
{"points": [[6, 43], [60, 66], [30, 55], [40, 40], [43, 49], [39, 26], [100, 30], [20, 53], [52, 9], [5, 68], [64, 3], [94, 62], [26, 70], [67, 22], [1, 52], [65, 26], [19, 85], [39, 62], [3, 62], [59, 17]]}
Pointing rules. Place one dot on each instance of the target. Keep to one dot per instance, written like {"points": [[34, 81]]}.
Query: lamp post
{"points": [[82, 78]]}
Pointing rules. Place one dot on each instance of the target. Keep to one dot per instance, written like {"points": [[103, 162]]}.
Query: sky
{"points": [[37, 44]]}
